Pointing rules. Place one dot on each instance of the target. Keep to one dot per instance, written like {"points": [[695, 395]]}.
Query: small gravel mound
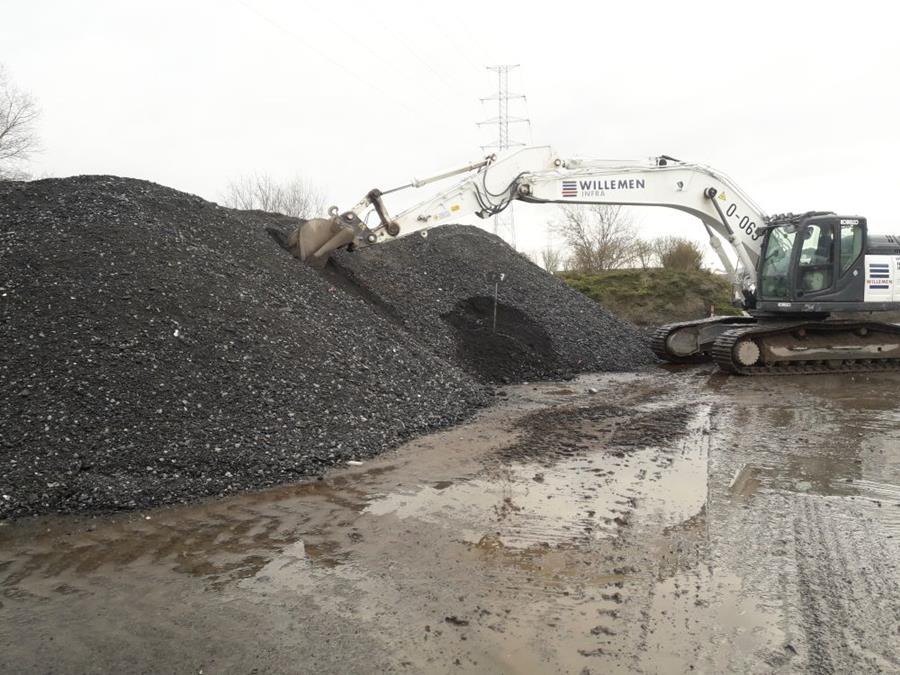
{"points": [[158, 348], [504, 346], [441, 289]]}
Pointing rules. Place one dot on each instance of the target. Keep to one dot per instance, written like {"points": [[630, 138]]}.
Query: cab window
{"points": [[816, 259], [776, 263], [851, 245]]}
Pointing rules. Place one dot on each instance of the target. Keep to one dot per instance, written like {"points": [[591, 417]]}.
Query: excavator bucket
{"points": [[315, 240]]}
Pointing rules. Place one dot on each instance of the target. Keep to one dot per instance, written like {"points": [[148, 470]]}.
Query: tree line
{"points": [[604, 237], [297, 197], [18, 134]]}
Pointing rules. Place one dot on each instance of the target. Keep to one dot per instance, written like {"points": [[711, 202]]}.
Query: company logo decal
{"points": [[598, 187]]}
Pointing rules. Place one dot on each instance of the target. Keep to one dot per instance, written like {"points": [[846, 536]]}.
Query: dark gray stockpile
{"points": [[157, 348], [439, 288]]}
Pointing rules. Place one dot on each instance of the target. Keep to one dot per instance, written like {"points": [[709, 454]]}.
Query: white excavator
{"points": [[810, 284]]}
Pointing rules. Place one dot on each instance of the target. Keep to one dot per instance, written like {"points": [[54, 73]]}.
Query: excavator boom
{"points": [[538, 175]]}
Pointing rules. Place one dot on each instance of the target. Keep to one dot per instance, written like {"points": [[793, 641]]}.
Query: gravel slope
{"points": [[439, 287], [158, 348]]}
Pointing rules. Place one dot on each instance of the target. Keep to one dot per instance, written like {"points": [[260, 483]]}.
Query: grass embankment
{"points": [[656, 296]]}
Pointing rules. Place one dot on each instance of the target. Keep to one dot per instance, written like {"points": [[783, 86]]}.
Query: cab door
{"points": [[815, 260]]}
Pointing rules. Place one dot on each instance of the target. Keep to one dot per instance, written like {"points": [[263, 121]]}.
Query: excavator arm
{"points": [[538, 175]]}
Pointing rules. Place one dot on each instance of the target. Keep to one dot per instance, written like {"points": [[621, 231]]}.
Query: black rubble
{"points": [[441, 288], [158, 348]]}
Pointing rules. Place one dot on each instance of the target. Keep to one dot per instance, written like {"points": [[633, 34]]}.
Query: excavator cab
{"points": [[810, 262]]}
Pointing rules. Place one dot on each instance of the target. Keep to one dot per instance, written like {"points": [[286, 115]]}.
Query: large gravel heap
{"points": [[157, 348], [441, 288]]}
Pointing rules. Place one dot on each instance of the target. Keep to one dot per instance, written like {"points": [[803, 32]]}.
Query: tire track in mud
{"points": [[636, 449], [569, 519], [671, 560], [594, 460], [563, 431], [804, 532], [848, 588]]}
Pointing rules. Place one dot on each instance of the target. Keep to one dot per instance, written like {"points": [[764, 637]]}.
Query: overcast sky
{"points": [[798, 102]]}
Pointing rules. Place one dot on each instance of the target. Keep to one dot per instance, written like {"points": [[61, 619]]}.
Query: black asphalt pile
{"points": [[441, 288], [157, 348]]}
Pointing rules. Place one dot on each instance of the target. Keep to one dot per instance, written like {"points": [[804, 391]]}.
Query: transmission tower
{"points": [[506, 219]]}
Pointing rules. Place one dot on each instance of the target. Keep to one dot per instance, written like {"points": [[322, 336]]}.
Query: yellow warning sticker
{"points": [[722, 196], [455, 208]]}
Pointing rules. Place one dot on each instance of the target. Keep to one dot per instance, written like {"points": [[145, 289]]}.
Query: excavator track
{"points": [[725, 349], [659, 348], [659, 340]]}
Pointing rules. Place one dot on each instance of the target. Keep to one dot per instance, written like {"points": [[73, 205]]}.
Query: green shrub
{"points": [[656, 296]]}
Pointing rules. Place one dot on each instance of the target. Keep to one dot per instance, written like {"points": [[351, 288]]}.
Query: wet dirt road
{"points": [[671, 522]]}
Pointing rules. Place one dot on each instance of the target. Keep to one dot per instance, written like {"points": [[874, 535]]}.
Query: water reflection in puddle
{"points": [[583, 499]]}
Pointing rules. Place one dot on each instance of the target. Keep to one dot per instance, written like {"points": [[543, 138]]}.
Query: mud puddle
{"points": [[669, 522]]}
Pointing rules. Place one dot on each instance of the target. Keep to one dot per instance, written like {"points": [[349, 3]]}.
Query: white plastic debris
{"points": [[353, 462]]}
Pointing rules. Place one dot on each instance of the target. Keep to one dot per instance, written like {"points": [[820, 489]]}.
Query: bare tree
{"points": [[18, 118], [678, 253], [600, 237], [297, 197], [645, 253], [551, 259]]}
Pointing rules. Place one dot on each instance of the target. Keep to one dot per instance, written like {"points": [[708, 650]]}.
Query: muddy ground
{"points": [[675, 521]]}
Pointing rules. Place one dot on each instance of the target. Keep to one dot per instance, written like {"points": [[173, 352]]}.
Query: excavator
{"points": [[811, 285]]}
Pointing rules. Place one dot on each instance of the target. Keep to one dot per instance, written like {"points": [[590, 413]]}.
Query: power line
{"points": [[323, 55], [353, 39], [506, 219], [450, 39], [437, 87], [415, 54], [471, 38]]}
